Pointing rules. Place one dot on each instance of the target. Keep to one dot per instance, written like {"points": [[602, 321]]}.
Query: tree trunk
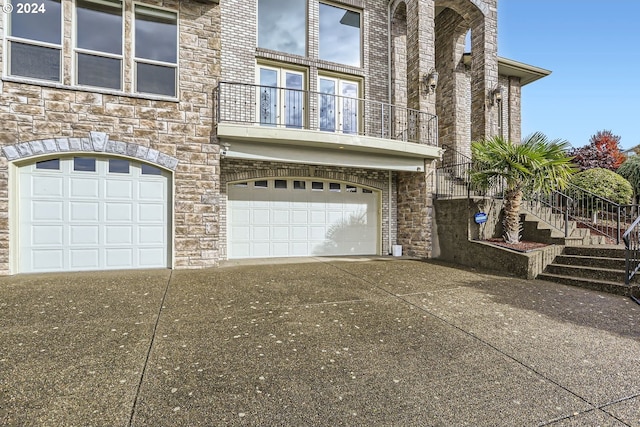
{"points": [[511, 223]]}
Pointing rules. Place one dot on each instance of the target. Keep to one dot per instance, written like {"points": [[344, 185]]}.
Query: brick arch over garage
{"points": [[97, 142]]}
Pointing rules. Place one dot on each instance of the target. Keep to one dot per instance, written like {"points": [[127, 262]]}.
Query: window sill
{"points": [[56, 85]]}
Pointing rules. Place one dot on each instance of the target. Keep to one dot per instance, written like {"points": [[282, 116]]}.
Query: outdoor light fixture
{"points": [[430, 81], [496, 95]]}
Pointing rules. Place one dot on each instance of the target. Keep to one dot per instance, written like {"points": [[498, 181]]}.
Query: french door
{"points": [[338, 105], [280, 97]]}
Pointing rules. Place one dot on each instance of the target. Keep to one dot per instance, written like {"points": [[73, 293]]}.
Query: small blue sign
{"points": [[480, 218]]}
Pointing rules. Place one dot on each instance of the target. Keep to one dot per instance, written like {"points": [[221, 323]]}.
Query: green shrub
{"points": [[630, 170], [603, 183]]}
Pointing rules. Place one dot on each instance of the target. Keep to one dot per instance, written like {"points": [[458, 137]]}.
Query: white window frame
{"points": [[10, 39], [339, 122], [77, 50], [281, 113], [164, 12]]}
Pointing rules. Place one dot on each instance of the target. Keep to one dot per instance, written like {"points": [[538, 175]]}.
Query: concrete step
{"points": [[590, 261], [585, 272], [596, 251], [617, 288]]}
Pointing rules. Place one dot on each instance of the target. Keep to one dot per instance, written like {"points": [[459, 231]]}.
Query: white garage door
{"points": [[295, 217], [92, 213]]}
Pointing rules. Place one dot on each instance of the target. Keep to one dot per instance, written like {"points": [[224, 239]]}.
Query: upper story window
{"points": [[35, 42], [282, 25], [340, 39], [103, 53], [99, 27], [156, 51]]}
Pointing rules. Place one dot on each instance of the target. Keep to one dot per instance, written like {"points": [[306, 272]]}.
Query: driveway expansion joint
{"points": [[148, 355]]}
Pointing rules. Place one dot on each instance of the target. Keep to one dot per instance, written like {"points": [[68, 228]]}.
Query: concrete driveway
{"points": [[324, 342]]}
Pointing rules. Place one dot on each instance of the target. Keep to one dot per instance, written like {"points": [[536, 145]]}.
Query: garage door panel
{"points": [[84, 235], [280, 233], [152, 190], [84, 259], [47, 186], [317, 216], [84, 187], [117, 235], [261, 250], [151, 235], [260, 216], [151, 257], [119, 258], [47, 235], [46, 259], [280, 216], [151, 212], [119, 189], [241, 232], [99, 219], [84, 211], [299, 216], [299, 233], [115, 212], [261, 233], [42, 210]]}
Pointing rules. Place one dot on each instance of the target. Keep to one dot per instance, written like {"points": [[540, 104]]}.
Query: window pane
{"points": [[268, 96], [349, 91], [118, 166], [327, 105], [280, 183], [35, 61], [53, 164], [155, 79], [293, 100], [334, 186], [150, 170], [99, 27], [282, 25], [99, 71], [315, 185], [43, 27], [156, 35], [86, 164], [339, 35], [260, 184], [299, 185]]}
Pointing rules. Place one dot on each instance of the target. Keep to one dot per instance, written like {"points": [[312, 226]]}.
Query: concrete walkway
{"points": [[354, 342]]}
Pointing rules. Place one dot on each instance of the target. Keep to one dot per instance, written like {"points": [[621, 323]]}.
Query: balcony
{"points": [[274, 123]]}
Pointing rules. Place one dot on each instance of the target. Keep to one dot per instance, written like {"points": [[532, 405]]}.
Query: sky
{"points": [[592, 48]]}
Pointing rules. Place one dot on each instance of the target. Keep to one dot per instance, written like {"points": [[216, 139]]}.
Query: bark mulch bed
{"points": [[522, 246]]}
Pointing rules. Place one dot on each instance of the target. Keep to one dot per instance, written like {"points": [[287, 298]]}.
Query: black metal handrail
{"points": [[551, 208], [241, 103], [631, 239]]}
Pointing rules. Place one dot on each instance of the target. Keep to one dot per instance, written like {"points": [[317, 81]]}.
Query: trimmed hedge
{"points": [[604, 183]]}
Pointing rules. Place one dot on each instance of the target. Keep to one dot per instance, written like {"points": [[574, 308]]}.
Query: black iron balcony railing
{"points": [[240, 103]]}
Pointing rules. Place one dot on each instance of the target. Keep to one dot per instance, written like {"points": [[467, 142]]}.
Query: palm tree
{"points": [[536, 165]]}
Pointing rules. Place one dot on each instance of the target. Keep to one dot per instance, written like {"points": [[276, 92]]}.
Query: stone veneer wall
{"points": [[181, 129], [239, 170], [415, 211]]}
